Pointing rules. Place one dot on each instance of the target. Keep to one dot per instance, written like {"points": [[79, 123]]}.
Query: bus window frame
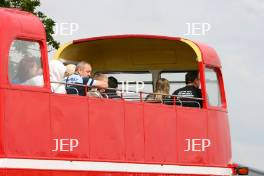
{"points": [[128, 72], [223, 106], [170, 71], [175, 71], [45, 68], [131, 72]]}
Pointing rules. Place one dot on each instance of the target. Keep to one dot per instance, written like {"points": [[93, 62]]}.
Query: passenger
{"points": [[70, 69], [191, 90], [82, 76], [36, 80], [161, 93], [112, 83], [57, 72], [28, 72], [98, 92]]}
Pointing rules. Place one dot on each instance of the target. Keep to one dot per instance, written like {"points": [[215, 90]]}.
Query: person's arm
{"points": [[95, 83]]}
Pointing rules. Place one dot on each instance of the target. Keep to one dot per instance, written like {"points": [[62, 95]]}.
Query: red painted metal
{"points": [[107, 130]]}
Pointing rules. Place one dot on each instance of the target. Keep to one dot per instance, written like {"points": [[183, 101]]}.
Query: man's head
{"points": [[192, 78], [112, 82], [84, 69]]}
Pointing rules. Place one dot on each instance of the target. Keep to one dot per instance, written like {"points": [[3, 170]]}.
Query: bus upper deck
{"points": [[147, 58]]}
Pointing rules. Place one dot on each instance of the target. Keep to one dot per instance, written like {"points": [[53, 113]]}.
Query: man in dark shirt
{"points": [[191, 90]]}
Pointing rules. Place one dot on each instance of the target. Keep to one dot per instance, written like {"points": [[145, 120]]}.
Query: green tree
{"points": [[30, 6]]}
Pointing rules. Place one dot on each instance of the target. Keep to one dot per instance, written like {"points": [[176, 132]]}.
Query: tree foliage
{"points": [[31, 6]]}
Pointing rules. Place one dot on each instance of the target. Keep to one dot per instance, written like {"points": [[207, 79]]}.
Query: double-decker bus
{"points": [[46, 133]]}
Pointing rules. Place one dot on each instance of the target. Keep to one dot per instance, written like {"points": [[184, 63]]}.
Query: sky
{"points": [[236, 33]]}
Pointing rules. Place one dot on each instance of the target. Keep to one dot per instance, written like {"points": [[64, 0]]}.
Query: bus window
{"points": [[133, 81], [212, 87], [176, 79], [24, 65]]}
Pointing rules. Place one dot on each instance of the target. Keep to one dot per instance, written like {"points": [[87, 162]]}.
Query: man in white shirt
{"points": [[82, 76]]}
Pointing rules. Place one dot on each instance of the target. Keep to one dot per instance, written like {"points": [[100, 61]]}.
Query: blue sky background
{"points": [[236, 34]]}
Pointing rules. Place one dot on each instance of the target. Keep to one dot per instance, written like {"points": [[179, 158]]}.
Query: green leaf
{"points": [[31, 6]]}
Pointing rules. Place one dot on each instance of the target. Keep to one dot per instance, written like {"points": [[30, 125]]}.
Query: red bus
{"points": [[45, 133]]}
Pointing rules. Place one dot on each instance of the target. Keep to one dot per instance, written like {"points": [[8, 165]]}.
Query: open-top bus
{"points": [[45, 133]]}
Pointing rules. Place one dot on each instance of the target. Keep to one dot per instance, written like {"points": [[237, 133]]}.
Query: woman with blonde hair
{"points": [[70, 69], [161, 92]]}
